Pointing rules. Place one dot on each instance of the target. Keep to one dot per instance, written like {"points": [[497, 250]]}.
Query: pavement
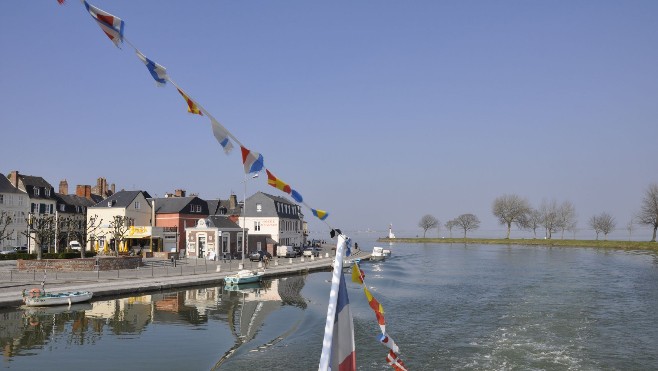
{"points": [[154, 275]]}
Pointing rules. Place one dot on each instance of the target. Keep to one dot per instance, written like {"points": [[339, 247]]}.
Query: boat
{"points": [[243, 276], [380, 253], [41, 298]]}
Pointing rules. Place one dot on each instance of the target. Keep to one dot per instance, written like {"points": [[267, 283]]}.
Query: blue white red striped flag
{"points": [[343, 354], [111, 25], [158, 72], [252, 161]]}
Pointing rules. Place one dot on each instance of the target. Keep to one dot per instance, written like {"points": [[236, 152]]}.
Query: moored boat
{"points": [[41, 298], [380, 253], [243, 276]]}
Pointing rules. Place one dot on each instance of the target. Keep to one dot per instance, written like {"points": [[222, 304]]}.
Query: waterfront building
{"points": [[71, 214], [174, 214], [214, 237], [275, 216], [13, 202]]}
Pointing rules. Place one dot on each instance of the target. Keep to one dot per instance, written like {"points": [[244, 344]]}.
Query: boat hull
{"points": [[243, 277], [60, 298]]}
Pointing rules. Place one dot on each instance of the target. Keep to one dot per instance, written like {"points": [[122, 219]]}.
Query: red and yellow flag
{"points": [[191, 106], [277, 183]]}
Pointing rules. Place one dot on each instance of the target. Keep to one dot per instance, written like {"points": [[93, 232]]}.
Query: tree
{"points": [[648, 214], [511, 209], [467, 222], [427, 222], [450, 224], [42, 231], [602, 223], [566, 217], [119, 225], [549, 217], [5, 220], [88, 233], [533, 221]]}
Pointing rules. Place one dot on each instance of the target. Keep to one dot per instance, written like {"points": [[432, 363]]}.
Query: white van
{"points": [[74, 245], [284, 251]]}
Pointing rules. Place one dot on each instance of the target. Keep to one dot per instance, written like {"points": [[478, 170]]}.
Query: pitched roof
{"points": [[74, 200], [6, 186], [35, 181], [121, 199], [215, 207], [173, 205], [222, 222]]}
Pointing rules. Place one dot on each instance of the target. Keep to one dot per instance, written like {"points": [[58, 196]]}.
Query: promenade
{"points": [[154, 275]]}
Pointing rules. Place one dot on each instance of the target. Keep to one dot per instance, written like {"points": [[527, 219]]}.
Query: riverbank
{"points": [[156, 275], [623, 245]]}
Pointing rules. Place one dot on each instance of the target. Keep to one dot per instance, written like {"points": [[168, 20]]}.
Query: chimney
{"points": [[179, 193], [112, 188], [233, 202], [80, 190], [87, 192], [13, 178], [63, 187]]}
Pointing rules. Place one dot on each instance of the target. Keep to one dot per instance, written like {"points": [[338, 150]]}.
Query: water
{"points": [[448, 307]]}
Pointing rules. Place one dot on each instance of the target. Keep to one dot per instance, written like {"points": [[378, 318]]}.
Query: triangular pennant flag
{"points": [[321, 214], [389, 343], [158, 72], [252, 161], [394, 361], [277, 183], [191, 106], [296, 196], [357, 275], [221, 134], [111, 25]]}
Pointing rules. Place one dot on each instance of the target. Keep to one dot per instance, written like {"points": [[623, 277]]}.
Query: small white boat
{"points": [[243, 276], [41, 298], [380, 253]]}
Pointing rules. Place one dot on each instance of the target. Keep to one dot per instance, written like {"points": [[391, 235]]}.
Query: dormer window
{"points": [[47, 192], [62, 207], [36, 191], [259, 208], [109, 203]]}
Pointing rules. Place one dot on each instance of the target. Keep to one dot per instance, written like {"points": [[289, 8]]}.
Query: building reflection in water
{"points": [[244, 309]]}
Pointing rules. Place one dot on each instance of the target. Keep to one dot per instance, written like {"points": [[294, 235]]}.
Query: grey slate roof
{"points": [[6, 186], [269, 207], [224, 206], [122, 199], [222, 222], [72, 201], [179, 205]]}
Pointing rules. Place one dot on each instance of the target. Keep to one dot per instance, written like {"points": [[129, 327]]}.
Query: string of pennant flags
{"points": [[252, 161]]}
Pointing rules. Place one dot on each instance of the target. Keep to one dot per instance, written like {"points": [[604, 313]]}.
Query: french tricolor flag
{"points": [[343, 355], [252, 161], [111, 25]]}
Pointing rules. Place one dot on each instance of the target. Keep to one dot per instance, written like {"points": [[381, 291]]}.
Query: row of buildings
{"points": [[175, 223]]}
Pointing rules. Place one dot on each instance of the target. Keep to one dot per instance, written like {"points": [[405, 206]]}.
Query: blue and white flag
{"points": [[158, 72], [221, 134]]}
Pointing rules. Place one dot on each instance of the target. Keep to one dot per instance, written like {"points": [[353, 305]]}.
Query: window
{"points": [[259, 208], [20, 200], [256, 226], [36, 191], [137, 205], [62, 207], [50, 208], [47, 192]]}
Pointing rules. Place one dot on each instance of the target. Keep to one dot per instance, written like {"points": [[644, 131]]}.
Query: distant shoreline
{"points": [[610, 244]]}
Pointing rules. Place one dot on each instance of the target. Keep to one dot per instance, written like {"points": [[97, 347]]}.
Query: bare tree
{"points": [[511, 209], [630, 227], [42, 231], [566, 217], [602, 223], [648, 214], [427, 222], [467, 222], [5, 220], [549, 217], [450, 224], [119, 225], [88, 233], [533, 221]]}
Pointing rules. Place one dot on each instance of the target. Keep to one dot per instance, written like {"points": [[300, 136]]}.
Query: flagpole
{"points": [[331, 308]]}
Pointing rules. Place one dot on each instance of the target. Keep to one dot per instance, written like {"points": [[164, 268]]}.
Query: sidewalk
{"points": [[156, 274]]}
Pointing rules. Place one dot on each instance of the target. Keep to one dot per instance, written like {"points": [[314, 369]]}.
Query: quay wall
{"points": [[86, 264]]}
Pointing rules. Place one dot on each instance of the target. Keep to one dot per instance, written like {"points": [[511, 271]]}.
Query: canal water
{"points": [[448, 307]]}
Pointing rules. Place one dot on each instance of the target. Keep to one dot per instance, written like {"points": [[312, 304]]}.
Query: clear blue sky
{"points": [[377, 111]]}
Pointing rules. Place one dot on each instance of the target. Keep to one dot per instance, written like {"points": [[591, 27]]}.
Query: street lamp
{"points": [[244, 217]]}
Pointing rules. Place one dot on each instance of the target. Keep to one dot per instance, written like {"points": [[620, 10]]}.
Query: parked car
{"points": [[258, 255], [311, 251], [74, 245], [16, 250], [298, 251]]}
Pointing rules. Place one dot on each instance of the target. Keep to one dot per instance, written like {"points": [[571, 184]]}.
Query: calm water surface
{"points": [[466, 307]]}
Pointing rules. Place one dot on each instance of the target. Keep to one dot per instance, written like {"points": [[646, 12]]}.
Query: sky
{"points": [[378, 112]]}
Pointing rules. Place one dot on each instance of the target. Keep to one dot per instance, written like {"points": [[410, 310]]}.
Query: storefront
{"points": [[145, 239], [213, 238]]}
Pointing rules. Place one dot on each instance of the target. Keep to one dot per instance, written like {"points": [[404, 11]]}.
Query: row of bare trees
{"points": [[552, 216]]}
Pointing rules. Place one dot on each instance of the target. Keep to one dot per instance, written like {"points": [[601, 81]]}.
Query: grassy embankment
{"points": [[623, 245]]}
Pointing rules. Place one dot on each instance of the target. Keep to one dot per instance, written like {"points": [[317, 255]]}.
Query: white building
{"points": [[275, 216], [14, 203]]}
